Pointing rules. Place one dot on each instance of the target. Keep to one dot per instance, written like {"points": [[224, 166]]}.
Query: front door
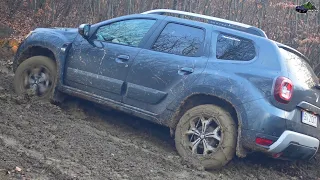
{"points": [[173, 61], [100, 65]]}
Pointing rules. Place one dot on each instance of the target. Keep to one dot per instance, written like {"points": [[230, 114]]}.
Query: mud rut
{"points": [[80, 141]]}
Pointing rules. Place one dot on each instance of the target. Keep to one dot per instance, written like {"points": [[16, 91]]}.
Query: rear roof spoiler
{"points": [[288, 48]]}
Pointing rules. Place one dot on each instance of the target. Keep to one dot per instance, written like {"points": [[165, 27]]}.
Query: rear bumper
{"points": [[292, 138], [294, 146]]}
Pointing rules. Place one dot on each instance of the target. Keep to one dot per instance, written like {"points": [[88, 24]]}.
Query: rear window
{"points": [[234, 48], [299, 68]]}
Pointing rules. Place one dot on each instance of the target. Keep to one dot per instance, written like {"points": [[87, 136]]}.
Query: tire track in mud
{"points": [[70, 145], [49, 164]]}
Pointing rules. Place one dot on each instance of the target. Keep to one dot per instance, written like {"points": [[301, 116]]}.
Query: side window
{"points": [[180, 40], [127, 32], [235, 48]]}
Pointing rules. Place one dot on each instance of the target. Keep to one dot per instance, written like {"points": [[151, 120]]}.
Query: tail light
{"points": [[264, 141], [283, 90], [277, 155]]}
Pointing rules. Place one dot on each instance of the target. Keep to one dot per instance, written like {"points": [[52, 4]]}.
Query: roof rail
{"points": [[213, 20]]}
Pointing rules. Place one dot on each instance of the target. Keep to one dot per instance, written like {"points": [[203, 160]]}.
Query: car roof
{"points": [[186, 21], [212, 20]]}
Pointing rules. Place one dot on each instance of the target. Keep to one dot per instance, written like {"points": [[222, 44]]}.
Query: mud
{"points": [[77, 140]]}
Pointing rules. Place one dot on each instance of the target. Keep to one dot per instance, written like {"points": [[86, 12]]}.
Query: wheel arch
{"points": [[197, 99], [45, 43], [34, 51], [46, 51], [200, 99]]}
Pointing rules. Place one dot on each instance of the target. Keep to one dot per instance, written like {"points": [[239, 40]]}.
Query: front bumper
{"points": [[294, 146]]}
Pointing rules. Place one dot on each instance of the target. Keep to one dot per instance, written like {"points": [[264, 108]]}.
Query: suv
{"points": [[222, 87]]}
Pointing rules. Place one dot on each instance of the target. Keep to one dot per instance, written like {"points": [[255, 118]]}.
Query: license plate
{"points": [[309, 119]]}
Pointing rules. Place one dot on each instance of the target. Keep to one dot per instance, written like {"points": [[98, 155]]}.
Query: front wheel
{"points": [[206, 135], [36, 76]]}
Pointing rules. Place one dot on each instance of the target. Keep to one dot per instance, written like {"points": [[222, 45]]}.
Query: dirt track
{"points": [[79, 141]]}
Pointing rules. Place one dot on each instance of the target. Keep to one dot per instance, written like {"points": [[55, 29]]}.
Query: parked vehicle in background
{"points": [[222, 87]]}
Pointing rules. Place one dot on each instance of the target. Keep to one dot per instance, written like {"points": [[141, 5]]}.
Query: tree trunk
{"points": [[175, 4]]}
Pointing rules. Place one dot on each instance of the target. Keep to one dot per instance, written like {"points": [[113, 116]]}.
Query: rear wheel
{"points": [[206, 135], [36, 76]]}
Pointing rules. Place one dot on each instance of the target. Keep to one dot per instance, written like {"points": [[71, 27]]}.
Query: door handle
{"points": [[186, 71], [122, 58]]}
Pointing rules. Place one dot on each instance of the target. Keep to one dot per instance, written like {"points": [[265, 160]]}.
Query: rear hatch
{"points": [[306, 94]]}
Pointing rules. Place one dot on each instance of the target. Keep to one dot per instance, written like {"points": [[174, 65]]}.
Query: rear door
{"points": [[303, 77], [100, 65], [173, 60], [306, 93]]}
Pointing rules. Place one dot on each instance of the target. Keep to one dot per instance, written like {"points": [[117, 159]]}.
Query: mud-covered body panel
{"points": [[237, 82], [57, 40], [154, 85]]}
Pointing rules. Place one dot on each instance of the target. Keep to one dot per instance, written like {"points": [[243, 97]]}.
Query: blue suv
{"points": [[222, 87]]}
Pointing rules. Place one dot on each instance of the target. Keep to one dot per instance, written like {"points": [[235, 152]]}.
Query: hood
{"points": [[68, 33]]}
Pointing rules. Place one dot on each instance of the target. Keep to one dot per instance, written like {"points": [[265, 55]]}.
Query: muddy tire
{"points": [[36, 76], [206, 136]]}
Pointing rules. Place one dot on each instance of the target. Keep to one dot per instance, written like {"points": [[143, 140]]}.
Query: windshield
{"points": [[299, 69]]}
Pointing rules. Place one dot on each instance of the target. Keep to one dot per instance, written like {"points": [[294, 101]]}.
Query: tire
{"points": [[219, 153], [36, 76]]}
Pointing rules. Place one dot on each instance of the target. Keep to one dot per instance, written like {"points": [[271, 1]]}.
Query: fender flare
{"points": [[226, 96], [55, 43]]}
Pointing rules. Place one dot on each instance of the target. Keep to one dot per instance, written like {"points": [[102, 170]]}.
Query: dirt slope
{"points": [[79, 141]]}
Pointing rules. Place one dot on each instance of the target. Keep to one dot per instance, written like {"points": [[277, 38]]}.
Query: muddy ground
{"points": [[79, 141]]}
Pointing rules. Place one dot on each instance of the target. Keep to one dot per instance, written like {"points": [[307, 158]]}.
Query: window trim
{"points": [[144, 39], [201, 51], [215, 35], [234, 36]]}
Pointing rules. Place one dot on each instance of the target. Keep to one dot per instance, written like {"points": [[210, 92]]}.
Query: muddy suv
{"points": [[222, 87]]}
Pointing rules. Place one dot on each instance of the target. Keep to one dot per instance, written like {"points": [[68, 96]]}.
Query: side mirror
{"points": [[84, 30]]}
